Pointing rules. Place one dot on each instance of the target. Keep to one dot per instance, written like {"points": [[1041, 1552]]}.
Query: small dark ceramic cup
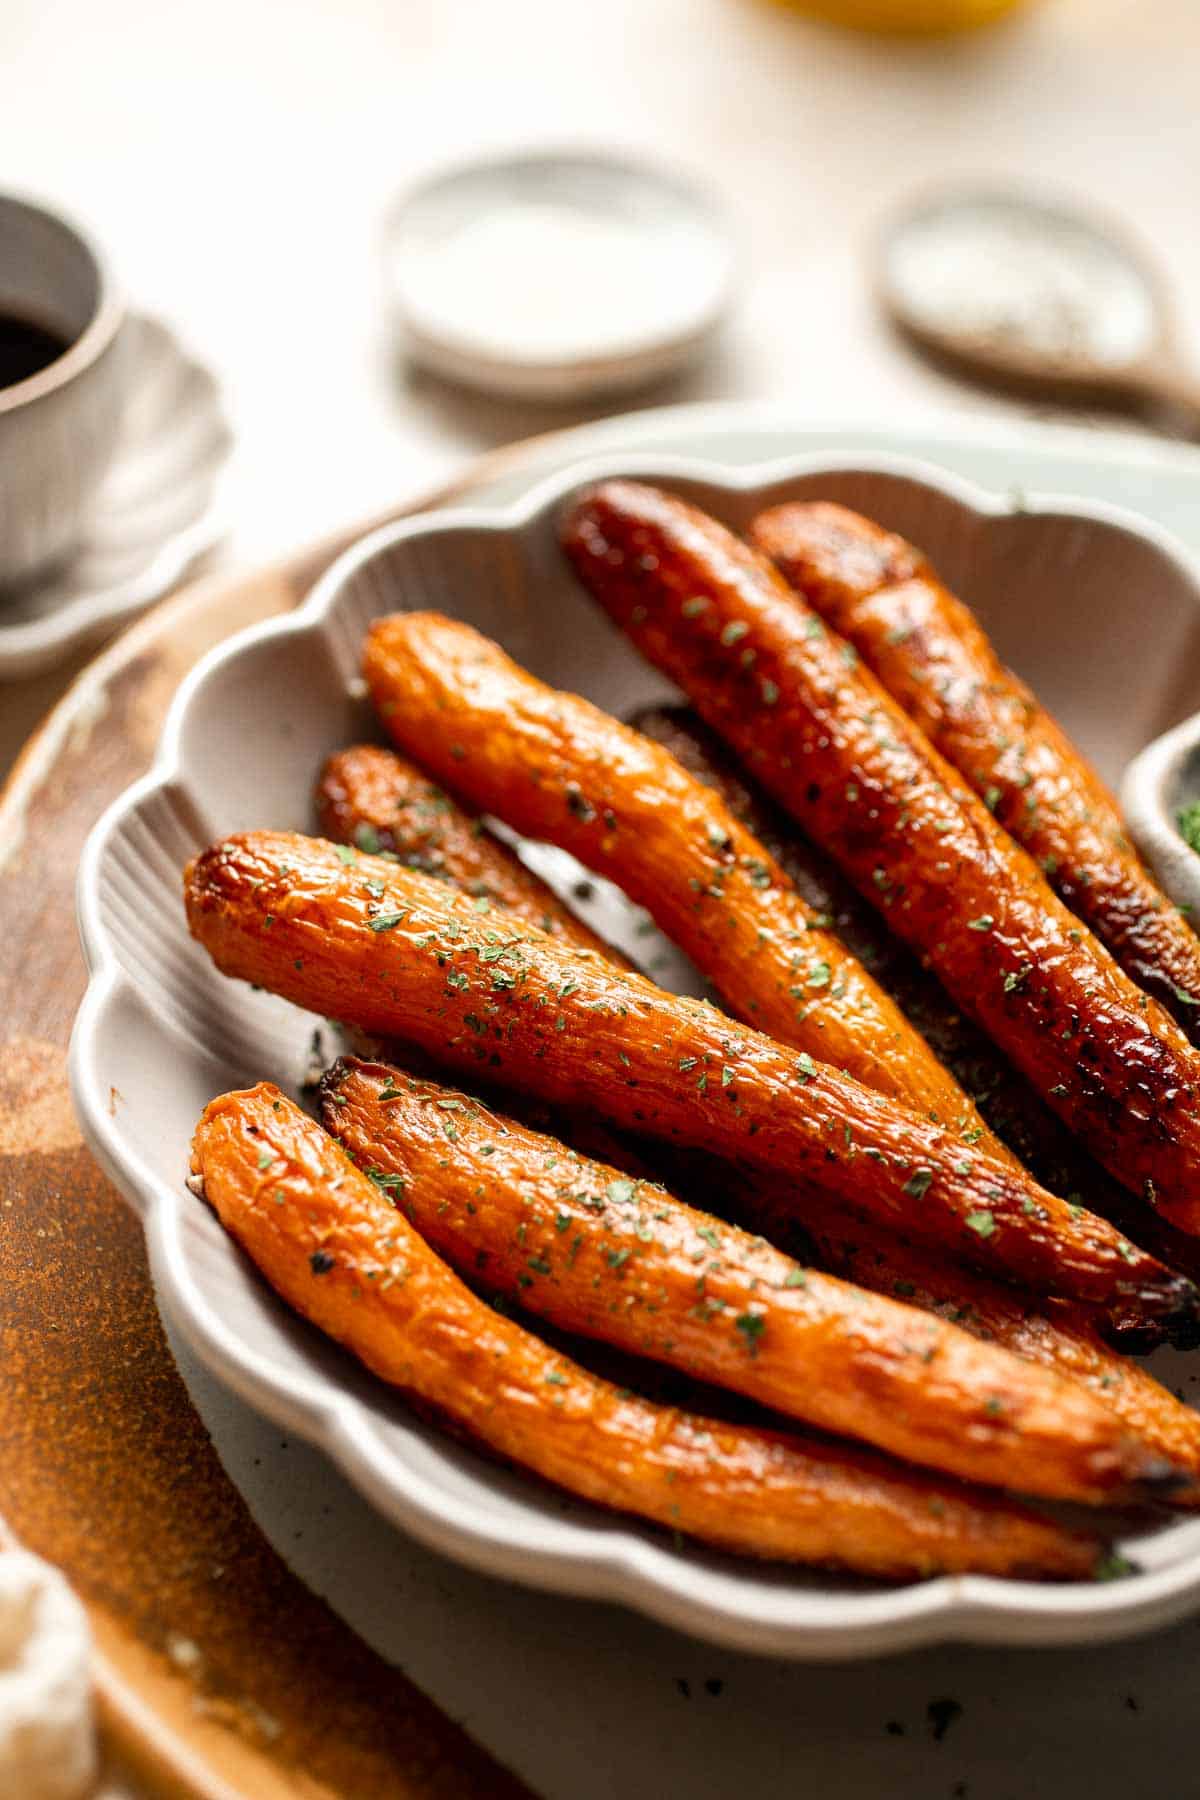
{"points": [[58, 427]]}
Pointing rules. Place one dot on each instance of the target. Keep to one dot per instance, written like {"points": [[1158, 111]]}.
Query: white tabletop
{"points": [[237, 157]]}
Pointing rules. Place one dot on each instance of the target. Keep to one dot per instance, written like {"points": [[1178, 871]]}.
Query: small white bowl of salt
{"points": [[555, 276]]}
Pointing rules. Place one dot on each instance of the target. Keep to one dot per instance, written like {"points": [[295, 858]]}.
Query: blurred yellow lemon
{"points": [[907, 15]]}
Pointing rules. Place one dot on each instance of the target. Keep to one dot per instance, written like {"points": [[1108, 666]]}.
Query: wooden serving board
{"points": [[219, 1675]]}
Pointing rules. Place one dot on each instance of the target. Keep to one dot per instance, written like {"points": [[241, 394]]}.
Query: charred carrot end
{"points": [[329, 1241], [580, 1244], [841, 556], [933, 657], [399, 954], [1055, 1335], [380, 803], [844, 758]]}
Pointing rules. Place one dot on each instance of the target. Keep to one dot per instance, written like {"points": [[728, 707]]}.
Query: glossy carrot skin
{"points": [[1061, 1338], [1005, 1099], [930, 653], [581, 1244], [821, 733], [331, 1244], [370, 797], [1056, 1334], [398, 953], [555, 767]]}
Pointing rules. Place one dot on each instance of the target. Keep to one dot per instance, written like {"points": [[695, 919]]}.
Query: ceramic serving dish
{"points": [[1158, 784], [160, 1031]]}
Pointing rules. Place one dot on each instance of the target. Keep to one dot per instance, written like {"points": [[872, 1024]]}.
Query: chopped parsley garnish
{"points": [[387, 921], [391, 1184], [982, 1223], [918, 1183], [751, 1326], [1188, 821]]}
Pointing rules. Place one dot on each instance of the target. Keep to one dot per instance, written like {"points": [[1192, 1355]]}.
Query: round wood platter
{"points": [[219, 1675]]}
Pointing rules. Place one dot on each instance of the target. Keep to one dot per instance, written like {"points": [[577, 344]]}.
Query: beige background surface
{"points": [[237, 156]]}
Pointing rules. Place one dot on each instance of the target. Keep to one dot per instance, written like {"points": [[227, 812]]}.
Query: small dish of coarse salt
{"points": [[558, 275]]}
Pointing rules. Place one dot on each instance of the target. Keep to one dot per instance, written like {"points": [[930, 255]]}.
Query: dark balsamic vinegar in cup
{"points": [[26, 347]]}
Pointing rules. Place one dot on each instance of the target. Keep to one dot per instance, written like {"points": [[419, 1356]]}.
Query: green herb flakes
{"points": [[752, 1326], [387, 921]]}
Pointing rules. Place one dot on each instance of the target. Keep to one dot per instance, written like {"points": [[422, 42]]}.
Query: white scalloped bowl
{"points": [[1093, 607]]}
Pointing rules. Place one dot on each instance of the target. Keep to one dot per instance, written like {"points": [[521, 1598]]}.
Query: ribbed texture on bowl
{"points": [[1078, 598]]}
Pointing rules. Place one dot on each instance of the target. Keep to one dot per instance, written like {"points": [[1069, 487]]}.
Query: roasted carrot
{"points": [[1054, 1333], [555, 767], [930, 653], [581, 1244], [329, 1241], [1005, 1099], [398, 953], [822, 734], [370, 797]]}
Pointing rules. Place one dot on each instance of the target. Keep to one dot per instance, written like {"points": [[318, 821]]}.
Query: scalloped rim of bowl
{"points": [[601, 1557]]}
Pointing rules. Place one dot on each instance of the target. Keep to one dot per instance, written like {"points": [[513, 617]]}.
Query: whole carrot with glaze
{"points": [[398, 953], [370, 797], [332, 1245], [931, 654], [594, 1252], [1059, 1337], [555, 767], [1053, 1333], [1005, 1099], [833, 747]]}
